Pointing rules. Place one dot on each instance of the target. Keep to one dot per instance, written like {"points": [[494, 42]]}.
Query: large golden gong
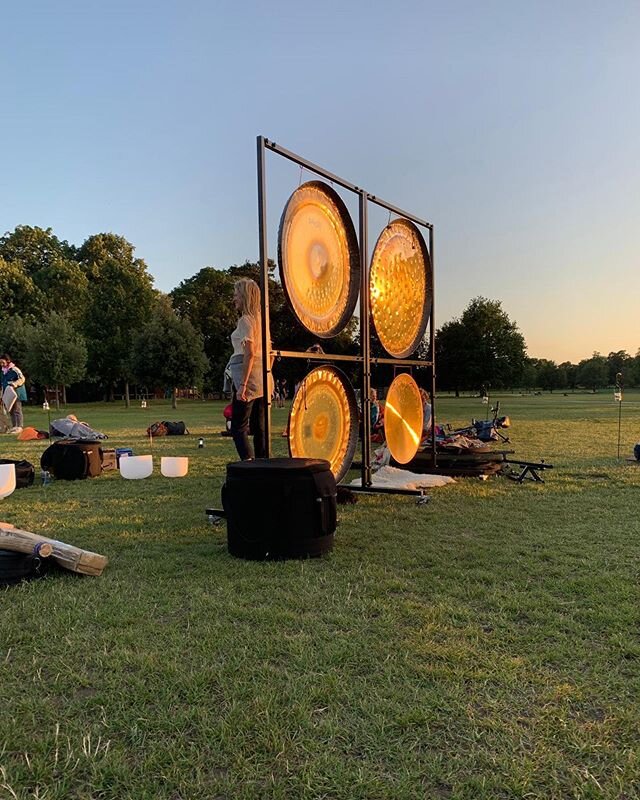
{"points": [[319, 259], [323, 422], [400, 287], [403, 418]]}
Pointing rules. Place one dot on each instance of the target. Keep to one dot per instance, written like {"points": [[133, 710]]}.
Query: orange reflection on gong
{"points": [[403, 418], [399, 287]]}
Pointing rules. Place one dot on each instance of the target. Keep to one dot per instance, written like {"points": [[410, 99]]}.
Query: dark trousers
{"points": [[17, 420], [248, 418]]}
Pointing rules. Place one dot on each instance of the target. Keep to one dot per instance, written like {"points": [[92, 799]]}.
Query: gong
{"points": [[323, 422], [400, 287], [319, 259], [403, 418]]}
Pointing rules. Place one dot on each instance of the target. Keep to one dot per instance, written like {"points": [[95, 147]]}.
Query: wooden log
{"points": [[67, 556]]}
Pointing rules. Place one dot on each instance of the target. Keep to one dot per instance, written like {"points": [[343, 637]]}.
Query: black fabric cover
{"points": [[16, 567], [25, 472], [280, 508], [71, 460]]}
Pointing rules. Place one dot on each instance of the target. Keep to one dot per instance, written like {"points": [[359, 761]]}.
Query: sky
{"points": [[513, 127]]}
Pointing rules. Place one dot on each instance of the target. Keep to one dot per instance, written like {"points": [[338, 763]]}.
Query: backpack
{"points": [[157, 429], [71, 460], [175, 428], [25, 472]]}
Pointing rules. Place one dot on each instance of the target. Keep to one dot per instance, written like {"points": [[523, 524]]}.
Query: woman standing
{"points": [[13, 377], [245, 367]]}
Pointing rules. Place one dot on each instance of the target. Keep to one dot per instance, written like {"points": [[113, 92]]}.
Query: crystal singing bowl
{"points": [[7, 479], [323, 420], [403, 418], [319, 260], [399, 285]]}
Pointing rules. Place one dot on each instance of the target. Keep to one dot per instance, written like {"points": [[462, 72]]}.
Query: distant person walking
{"points": [[12, 378]]}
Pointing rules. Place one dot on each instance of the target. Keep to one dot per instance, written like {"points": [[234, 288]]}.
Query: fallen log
{"points": [[66, 555]]}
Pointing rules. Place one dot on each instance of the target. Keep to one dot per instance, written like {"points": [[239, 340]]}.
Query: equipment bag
{"points": [[71, 460], [175, 428], [25, 472], [157, 429], [280, 508], [16, 567]]}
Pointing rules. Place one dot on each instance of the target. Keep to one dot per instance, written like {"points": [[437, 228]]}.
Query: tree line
{"points": [[89, 317]]}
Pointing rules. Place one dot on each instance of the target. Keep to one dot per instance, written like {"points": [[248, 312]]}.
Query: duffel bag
{"points": [[16, 567], [280, 508], [25, 472], [71, 460], [175, 428]]}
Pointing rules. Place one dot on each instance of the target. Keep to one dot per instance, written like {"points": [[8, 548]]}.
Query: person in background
{"points": [[12, 376], [245, 367], [426, 412]]}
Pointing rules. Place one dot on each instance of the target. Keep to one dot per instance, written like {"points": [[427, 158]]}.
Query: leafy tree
{"points": [[529, 379], [118, 305], [49, 266], [168, 351], [548, 374], [593, 372], [618, 362], [570, 372], [483, 347], [20, 296], [55, 353], [13, 338]]}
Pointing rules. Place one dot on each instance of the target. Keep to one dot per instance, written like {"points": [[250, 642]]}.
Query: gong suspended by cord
{"points": [[319, 259], [324, 421]]}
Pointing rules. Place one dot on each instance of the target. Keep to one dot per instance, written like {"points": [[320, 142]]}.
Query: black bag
{"points": [[280, 508], [16, 567], [175, 428], [25, 472], [73, 460]]}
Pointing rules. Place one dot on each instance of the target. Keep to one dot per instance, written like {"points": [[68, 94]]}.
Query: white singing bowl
{"points": [[7, 479], [136, 466], [174, 467]]}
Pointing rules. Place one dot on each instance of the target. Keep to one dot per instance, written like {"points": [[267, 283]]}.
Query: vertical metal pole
{"points": [[619, 393], [264, 294], [365, 344], [432, 348]]}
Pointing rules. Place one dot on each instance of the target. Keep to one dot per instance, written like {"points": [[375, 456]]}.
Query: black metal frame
{"points": [[364, 198]]}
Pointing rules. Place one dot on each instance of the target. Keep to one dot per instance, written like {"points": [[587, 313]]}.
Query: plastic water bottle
{"points": [[45, 476]]}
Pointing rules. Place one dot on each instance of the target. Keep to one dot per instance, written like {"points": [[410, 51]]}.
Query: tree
{"points": [[48, 266], [13, 336], [618, 362], [168, 351], [483, 347], [55, 354], [548, 374], [119, 303], [20, 296], [593, 372]]}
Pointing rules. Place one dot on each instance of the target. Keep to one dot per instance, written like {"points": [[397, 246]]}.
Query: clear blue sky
{"points": [[514, 127]]}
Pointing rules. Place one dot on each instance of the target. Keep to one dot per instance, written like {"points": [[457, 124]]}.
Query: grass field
{"points": [[486, 645]]}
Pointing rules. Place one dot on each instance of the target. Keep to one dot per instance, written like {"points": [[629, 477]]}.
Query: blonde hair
{"points": [[249, 294]]}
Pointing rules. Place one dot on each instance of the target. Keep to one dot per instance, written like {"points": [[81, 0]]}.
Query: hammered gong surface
{"points": [[319, 259], [400, 288], [323, 422]]}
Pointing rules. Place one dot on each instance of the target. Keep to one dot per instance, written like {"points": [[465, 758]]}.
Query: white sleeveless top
{"points": [[246, 332]]}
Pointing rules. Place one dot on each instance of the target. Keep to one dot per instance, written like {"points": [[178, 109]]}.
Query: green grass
{"points": [[486, 645]]}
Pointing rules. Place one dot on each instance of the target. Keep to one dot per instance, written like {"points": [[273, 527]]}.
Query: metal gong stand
{"points": [[364, 358]]}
